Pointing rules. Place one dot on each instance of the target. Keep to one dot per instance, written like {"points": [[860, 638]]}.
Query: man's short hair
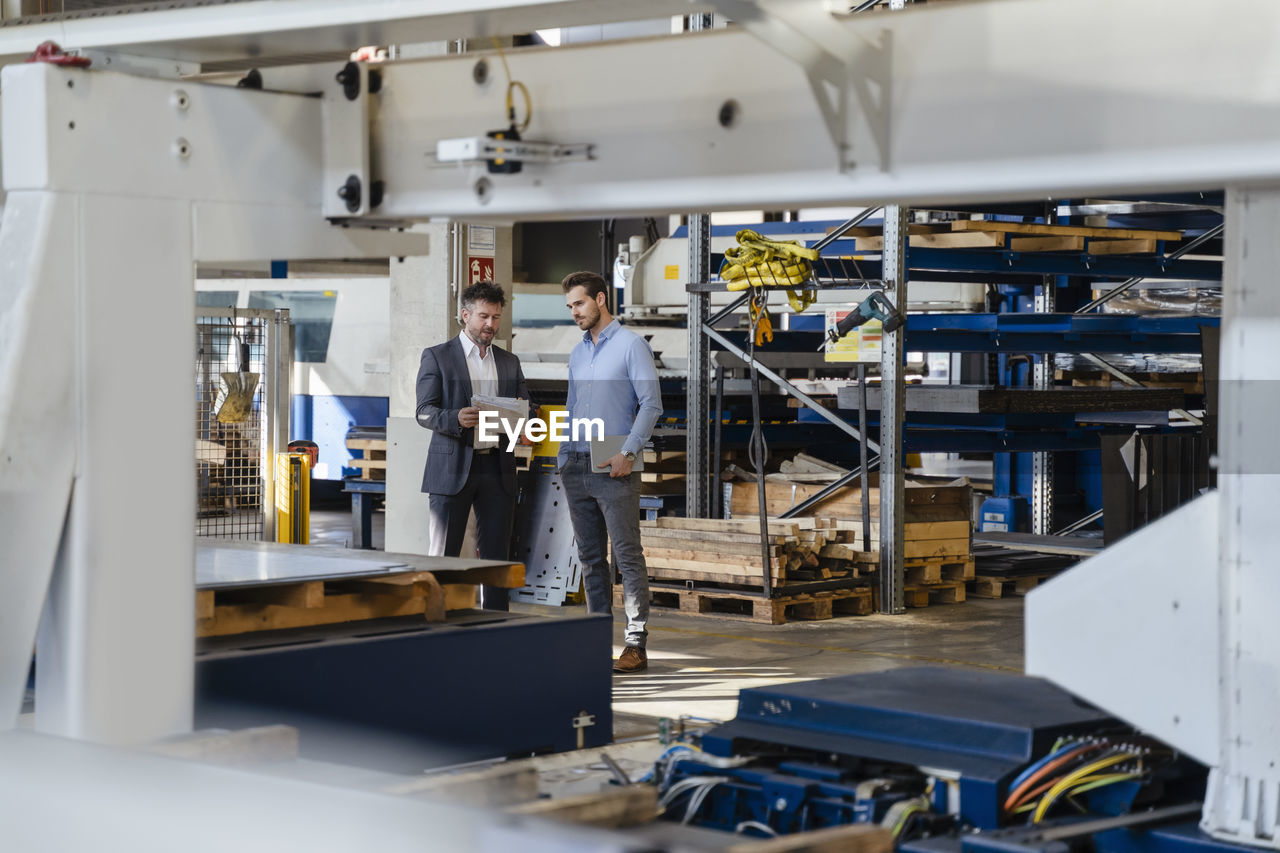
{"points": [[584, 278], [483, 291]]}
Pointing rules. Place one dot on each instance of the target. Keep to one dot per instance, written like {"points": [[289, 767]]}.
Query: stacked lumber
{"points": [[663, 472], [721, 564], [937, 546], [1020, 237]]}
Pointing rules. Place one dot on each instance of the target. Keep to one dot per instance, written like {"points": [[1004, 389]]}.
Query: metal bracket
{"points": [[347, 189], [142, 66], [834, 62], [582, 722], [470, 150]]}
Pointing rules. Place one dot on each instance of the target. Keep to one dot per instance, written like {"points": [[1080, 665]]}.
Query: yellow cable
{"points": [[512, 85], [1073, 778]]}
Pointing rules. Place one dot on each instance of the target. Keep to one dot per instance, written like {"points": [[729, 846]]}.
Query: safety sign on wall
{"points": [[862, 343], [479, 269]]}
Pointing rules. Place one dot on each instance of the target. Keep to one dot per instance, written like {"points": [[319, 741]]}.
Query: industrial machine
{"points": [[1170, 631]]}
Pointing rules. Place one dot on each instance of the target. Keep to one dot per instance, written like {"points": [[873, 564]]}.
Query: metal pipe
{"points": [[862, 457], [773, 377], [1076, 525], [717, 496], [827, 490]]}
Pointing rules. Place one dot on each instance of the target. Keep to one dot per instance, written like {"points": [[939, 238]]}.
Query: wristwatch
{"points": [[629, 455]]}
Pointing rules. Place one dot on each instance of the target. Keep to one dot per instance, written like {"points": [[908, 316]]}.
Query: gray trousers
{"points": [[601, 506], [447, 522]]}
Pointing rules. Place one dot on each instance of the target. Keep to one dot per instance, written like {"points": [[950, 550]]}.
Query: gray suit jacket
{"points": [[444, 387]]}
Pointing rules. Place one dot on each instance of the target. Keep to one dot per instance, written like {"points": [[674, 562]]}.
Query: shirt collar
{"points": [[605, 333], [469, 347]]}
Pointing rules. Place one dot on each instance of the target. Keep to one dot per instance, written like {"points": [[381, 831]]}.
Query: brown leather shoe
{"points": [[632, 659]]}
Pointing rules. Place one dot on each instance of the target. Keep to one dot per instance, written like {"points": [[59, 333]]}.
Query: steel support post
{"points": [[1242, 803], [697, 388], [1042, 463], [892, 412]]}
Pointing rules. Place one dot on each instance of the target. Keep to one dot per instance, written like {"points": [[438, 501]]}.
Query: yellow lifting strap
{"points": [[757, 261]]}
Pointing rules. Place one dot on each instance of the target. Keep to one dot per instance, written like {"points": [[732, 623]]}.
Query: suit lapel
{"points": [[504, 371], [460, 355]]}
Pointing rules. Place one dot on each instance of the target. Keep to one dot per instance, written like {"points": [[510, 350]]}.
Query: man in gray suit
{"points": [[461, 473]]}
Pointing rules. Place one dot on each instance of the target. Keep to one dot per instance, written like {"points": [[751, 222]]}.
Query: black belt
{"points": [[479, 450]]}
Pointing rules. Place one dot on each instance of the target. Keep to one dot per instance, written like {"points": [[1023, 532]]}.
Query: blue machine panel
{"points": [[326, 419], [985, 726], [413, 694]]}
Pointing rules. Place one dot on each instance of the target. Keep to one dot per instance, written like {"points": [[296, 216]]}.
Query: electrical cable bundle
{"points": [[1072, 768]]}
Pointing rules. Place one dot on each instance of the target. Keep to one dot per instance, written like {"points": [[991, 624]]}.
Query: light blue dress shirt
{"points": [[613, 379]]}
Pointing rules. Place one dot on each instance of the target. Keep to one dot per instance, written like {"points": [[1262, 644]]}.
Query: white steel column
{"points": [[892, 414], [1243, 800], [423, 308], [116, 644]]}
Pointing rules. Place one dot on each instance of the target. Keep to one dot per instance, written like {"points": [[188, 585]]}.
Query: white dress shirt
{"points": [[484, 375]]}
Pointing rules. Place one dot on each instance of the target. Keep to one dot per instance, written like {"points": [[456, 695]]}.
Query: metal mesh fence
{"points": [[237, 375]]}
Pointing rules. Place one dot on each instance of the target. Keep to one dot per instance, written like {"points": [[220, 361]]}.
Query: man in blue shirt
{"points": [[611, 377]]}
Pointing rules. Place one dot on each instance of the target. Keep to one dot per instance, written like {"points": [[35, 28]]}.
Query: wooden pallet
{"points": [[374, 464], [993, 586], [304, 604], [931, 571], [745, 607]]}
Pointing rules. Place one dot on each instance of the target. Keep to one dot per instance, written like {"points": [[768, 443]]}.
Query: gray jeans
{"points": [[600, 505]]}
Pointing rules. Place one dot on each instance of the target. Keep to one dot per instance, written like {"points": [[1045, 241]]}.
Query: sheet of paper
{"points": [[511, 411]]}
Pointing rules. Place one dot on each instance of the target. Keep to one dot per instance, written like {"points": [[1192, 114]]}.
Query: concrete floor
{"points": [[697, 664]]}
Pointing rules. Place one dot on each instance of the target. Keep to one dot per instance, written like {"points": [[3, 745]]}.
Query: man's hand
{"points": [[620, 466], [469, 417]]}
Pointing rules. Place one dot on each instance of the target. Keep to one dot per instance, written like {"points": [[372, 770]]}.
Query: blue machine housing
{"points": [[844, 750], [403, 694], [982, 726]]}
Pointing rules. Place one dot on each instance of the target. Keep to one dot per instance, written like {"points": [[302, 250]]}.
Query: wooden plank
{"points": [[615, 807], [716, 525], [505, 577], [1046, 244], [244, 618], [728, 576], [367, 444], [366, 463], [913, 530], [675, 535], [721, 552], [1121, 247], [923, 549], [659, 477], [1065, 230], [204, 604], [966, 240], [459, 596], [744, 567], [850, 838], [306, 594]]}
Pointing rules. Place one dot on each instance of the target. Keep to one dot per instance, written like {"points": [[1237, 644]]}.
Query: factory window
{"points": [[310, 313], [216, 298]]}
